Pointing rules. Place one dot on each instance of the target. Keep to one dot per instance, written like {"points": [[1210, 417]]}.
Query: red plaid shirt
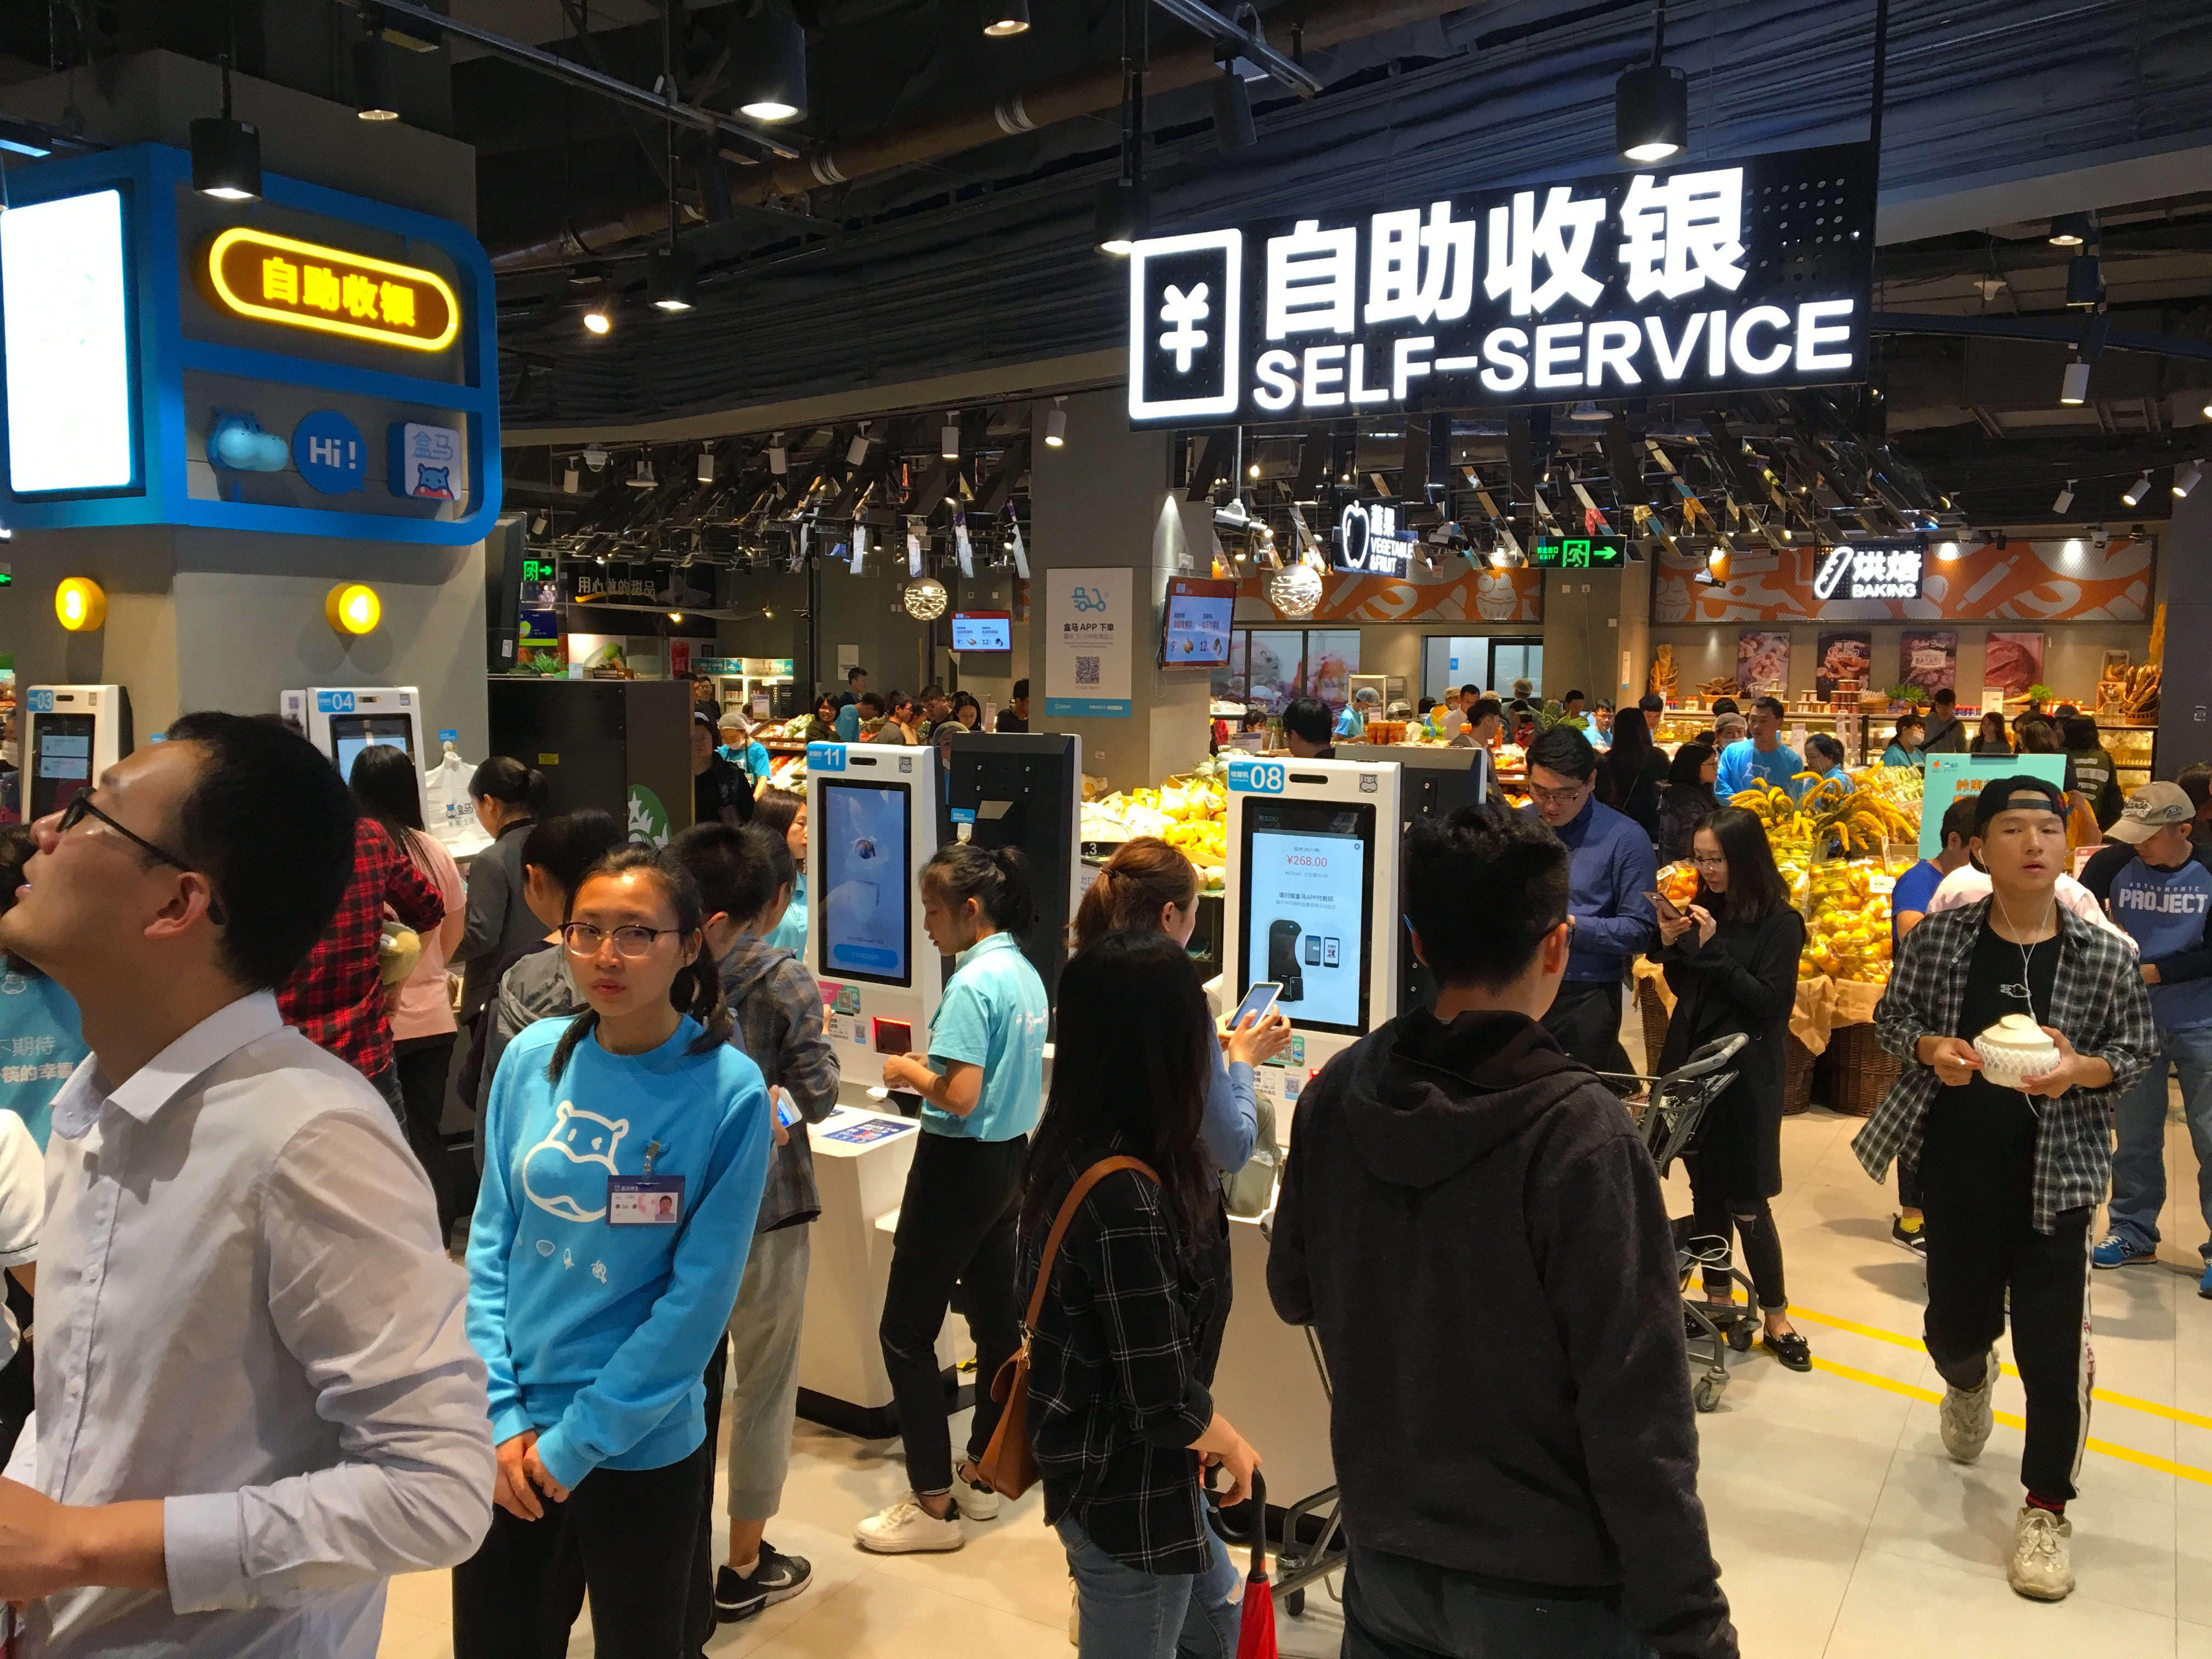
{"points": [[336, 996]]}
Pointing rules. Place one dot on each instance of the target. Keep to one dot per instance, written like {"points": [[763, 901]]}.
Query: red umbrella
{"points": [[1255, 1633]]}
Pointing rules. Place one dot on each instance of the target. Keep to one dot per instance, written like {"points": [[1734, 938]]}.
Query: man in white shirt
{"points": [[257, 1399]]}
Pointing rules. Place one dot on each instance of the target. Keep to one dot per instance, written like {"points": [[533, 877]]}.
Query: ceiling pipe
{"points": [[1330, 23]]}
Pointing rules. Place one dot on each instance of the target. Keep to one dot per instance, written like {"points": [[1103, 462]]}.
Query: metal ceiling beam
{"points": [[1211, 23], [665, 105], [2056, 329]]}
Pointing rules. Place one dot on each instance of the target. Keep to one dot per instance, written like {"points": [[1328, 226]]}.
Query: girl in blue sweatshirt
{"points": [[625, 1152]]}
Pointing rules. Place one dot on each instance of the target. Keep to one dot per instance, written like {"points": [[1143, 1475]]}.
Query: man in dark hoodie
{"points": [[1471, 1224], [745, 877]]}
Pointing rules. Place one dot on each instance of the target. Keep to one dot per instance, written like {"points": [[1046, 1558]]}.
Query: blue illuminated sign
{"points": [[330, 453]]}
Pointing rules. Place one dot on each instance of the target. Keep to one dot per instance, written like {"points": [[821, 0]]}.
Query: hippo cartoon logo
{"points": [[557, 1173], [433, 481]]}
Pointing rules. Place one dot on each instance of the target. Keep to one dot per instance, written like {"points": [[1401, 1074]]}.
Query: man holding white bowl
{"points": [[2020, 1024]]}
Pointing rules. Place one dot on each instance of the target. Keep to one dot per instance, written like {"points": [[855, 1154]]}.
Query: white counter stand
{"points": [[1268, 1383], [842, 1381]]}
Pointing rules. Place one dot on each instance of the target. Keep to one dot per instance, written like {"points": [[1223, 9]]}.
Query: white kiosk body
{"points": [[69, 735], [343, 720]]}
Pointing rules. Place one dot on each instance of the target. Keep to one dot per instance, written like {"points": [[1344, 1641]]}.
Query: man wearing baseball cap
{"points": [[2011, 1171], [2161, 894]]}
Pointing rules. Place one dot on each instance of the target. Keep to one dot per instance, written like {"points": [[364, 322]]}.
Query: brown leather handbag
{"points": [[1009, 1466]]}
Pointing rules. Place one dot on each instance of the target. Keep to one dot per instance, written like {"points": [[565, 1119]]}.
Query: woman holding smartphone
{"points": [[627, 1148], [982, 1087], [1119, 1415], [1731, 960]]}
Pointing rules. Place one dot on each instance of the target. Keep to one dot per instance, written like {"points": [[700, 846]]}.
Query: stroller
{"points": [[1669, 1118]]}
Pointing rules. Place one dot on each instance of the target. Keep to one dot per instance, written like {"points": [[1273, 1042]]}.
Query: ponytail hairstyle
{"points": [[508, 781], [998, 879], [697, 990], [1143, 875]]}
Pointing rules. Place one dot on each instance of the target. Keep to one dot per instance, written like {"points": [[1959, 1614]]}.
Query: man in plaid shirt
{"points": [[336, 996], [2011, 1172]]}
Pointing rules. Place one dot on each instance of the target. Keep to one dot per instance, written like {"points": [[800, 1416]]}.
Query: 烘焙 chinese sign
{"points": [[279, 279], [1754, 274], [1088, 642], [1872, 570]]}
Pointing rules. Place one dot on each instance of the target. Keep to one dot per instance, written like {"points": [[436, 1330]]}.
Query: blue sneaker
{"points": [[2204, 1285], [2114, 1251]]}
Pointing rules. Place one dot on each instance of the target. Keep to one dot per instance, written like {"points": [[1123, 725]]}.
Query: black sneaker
{"points": [[775, 1577], [1913, 1238]]}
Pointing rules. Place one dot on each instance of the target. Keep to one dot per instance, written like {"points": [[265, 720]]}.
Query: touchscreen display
{"points": [[1308, 901], [351, 733], [867, 887], [62, 767]]}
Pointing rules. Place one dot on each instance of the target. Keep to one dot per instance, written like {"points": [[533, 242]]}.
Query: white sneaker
{"points": [[906, 1528], [2042, 1547], [1965, 1416], [975, 1501]]}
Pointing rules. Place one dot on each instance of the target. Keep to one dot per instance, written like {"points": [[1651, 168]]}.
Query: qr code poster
{"points": [[1088, 642]]}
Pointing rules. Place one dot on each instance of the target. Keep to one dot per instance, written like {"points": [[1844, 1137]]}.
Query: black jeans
{"points": [[1716, 1215], [423, 1063], [625, 1536], [1584, 1019], [956, 1227], [1397, 1608], [1908, 1182]]}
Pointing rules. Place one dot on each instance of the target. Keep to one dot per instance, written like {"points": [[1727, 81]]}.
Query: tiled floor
{"points": [[1841, 1528]]}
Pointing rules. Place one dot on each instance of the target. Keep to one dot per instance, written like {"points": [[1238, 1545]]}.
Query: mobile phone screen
{"points": [[1259, 1001]]}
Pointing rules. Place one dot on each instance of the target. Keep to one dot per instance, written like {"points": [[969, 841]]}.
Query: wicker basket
{"points": [[1648, 1005], [1797, 1084], [1859, 1070]]}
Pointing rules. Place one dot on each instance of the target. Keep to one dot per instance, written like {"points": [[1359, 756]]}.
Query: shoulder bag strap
{"points": [[1084, 1183]]}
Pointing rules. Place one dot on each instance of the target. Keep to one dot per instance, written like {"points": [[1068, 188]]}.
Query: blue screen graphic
{"points": [[867, 885]]}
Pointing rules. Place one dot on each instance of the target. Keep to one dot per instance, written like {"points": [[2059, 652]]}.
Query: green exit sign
{"points": [[538, 570], [1581, 552]]}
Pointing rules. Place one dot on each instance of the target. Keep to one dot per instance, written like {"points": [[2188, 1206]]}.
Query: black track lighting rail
{"points": [[665, 104], [1247, 44]]}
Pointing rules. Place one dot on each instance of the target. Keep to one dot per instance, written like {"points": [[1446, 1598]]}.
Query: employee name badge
{"points": [[645, 1200]]}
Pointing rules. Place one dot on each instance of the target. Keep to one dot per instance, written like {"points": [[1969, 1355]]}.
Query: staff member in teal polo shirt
{"points": [[1762, 757], [983, 1087]]}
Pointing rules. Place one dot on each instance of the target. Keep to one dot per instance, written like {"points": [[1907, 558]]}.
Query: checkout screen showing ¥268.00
{"points": [[1304, 916], [866, 884]]}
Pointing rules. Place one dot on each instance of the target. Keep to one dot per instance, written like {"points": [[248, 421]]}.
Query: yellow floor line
{"points": [[1899, 1340], [1913, 1391]]}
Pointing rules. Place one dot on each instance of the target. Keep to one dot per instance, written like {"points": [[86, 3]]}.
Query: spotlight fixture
{"points": [[569, 482], [706, 466], [1232, 110], [1587, 411], [1946, 551], [857, 451], [2085, 283], [599, 317], [2065, 498], [1002, 18], [948, 443], [1990, 288], [1056, 425], [226, 154], [1123, 212], [595, 457], [2076, 386], [2185, 478], [2073, 229], [768, 65], [2099, 538], [642, 478], [672, 277], [1253, 470], [373, 99], [1652, 103], [2134, 492], [778, 457]]}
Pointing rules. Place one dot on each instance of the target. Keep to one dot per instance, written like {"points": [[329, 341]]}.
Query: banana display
{"points": [[1846, 920], [1831, 811], [1190, 814]]}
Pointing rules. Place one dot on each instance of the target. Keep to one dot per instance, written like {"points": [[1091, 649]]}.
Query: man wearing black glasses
{"points": [[256, 1397]]}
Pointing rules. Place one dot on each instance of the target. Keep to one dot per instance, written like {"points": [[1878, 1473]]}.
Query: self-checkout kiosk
{"points": [[1311, 903], [71, 734], [872, 816], [1434, 782], [1025, 790], [343, 720]]}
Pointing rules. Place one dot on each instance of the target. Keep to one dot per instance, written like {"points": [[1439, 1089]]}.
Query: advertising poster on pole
{"points": [[2012, 663], [1843, 656], [1950, 776], [1929, 659], [1088, 642], [1762, 664]]}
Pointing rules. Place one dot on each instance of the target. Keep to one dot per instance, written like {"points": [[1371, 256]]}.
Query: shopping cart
{"points": [[1668, 1117]]}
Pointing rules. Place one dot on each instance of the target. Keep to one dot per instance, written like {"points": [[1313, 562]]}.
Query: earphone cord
{"points": [[2027, 977]]}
